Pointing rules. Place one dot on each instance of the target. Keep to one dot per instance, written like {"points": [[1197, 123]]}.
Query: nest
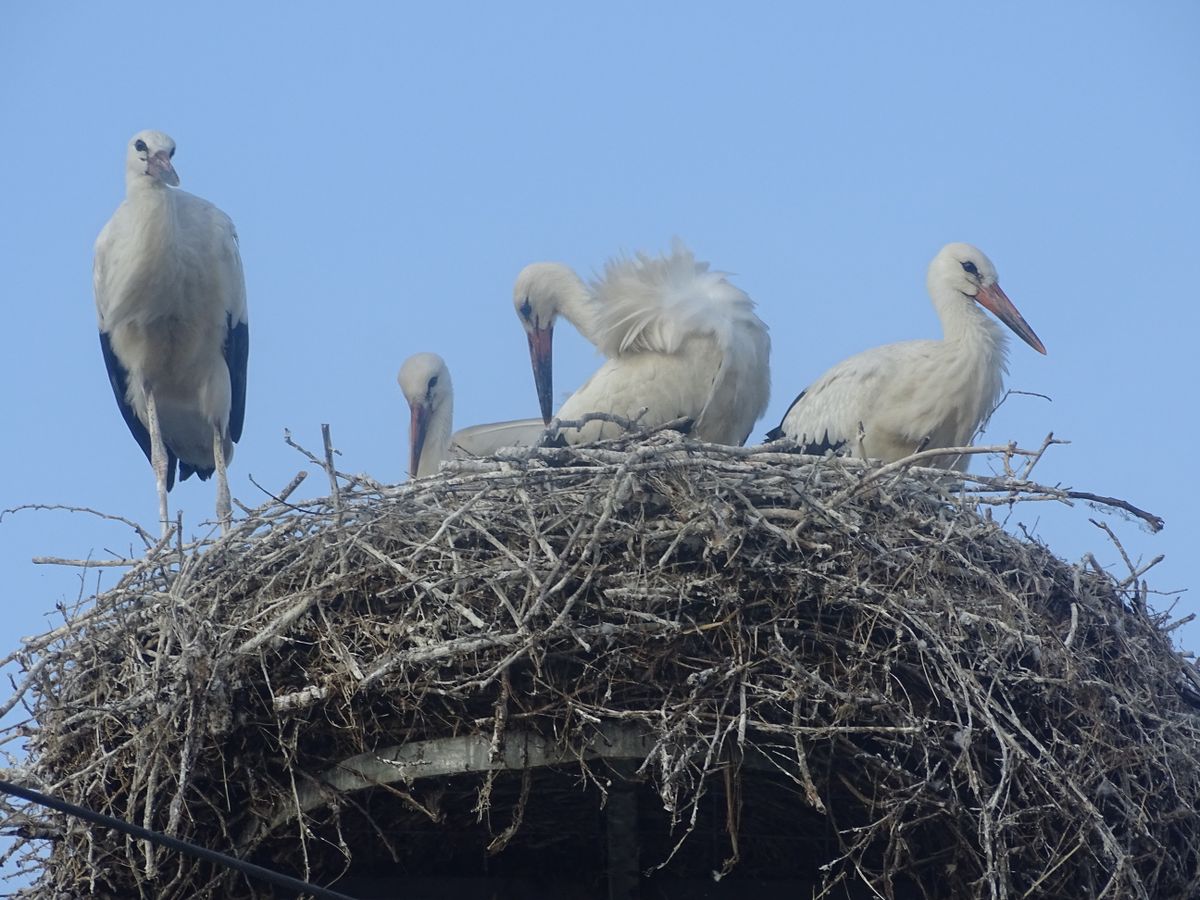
{"points": [[773, 669]]}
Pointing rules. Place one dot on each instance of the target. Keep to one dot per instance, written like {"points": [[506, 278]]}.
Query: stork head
{"points": [[967, 271], [425, 381], [537, 298], [149, 156]]}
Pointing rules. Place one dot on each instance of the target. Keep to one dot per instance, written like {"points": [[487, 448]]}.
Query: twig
{"points": [[330, 469], [147, 539]]}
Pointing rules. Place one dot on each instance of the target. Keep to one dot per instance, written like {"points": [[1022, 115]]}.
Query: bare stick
{"points": [[289, 489], [329, 467], [1156, 523], [146, 537], [83, 563]]}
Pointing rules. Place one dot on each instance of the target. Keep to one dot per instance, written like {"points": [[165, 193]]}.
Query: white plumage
{"points": [[888, 402], [171, 305], [424, 379], [681, 341]]}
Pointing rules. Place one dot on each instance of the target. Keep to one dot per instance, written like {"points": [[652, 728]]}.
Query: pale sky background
{"points": [[391, 167]]}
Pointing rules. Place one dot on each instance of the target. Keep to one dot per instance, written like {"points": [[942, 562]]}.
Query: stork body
{"points": [[171, 307], [890, 401], [424, 379], [681, 341]]}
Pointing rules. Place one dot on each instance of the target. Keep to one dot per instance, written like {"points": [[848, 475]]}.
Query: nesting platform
{"points": [[648, 668]]}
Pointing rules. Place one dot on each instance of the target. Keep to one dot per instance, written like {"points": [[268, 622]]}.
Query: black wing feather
{"points": [[237, 353], [118, 377], [186, 472], [813, 448], [821, 447], [774, 434], [777, 432]]}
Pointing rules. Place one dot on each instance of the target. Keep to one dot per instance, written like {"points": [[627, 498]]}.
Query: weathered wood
{"points": [[459, 756]]}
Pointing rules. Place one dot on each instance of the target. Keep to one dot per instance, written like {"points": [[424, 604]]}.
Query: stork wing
{"points": [[118, 377], [485, 439], [237, 353], [659, 304], [742, 385], [825, 416], [777, 433], [237, 327]]}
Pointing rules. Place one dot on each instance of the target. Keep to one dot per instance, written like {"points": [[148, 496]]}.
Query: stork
{"points": [[681, 341], [425, 380], [171, 306], [543, 292], [887, 402]]}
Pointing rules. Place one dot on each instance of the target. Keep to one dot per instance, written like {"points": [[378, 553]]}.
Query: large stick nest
{"points": [[820, 673]]}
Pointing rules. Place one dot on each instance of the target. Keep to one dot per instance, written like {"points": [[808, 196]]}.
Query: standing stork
{"points": [[424, 379], [681, 341], [171, 304], [890, 401]]}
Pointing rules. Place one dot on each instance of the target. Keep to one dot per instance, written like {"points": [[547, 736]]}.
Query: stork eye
{"points": [[432, 382], [526, 309], [969, 266], [171, 155], [140, 146]]}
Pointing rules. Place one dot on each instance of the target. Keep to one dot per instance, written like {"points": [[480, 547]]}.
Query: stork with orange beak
{"points": [[887, 402], [425, 381]]}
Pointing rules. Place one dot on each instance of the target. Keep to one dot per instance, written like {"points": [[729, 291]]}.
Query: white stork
{"points": [[890, 401], [681, 341], [171, 304], [543, 292], [425, 380]]}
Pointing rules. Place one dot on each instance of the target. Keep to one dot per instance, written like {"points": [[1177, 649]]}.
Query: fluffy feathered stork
{"points": [[681, 341]]}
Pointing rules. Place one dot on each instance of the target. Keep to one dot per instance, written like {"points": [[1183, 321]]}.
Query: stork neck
{"points": [[143, 185], [967, 326], [973, 356], [156, 231], [575, 304], [155, 203]]}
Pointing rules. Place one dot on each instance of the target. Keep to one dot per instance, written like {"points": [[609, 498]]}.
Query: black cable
{"points": [[276, 878]]}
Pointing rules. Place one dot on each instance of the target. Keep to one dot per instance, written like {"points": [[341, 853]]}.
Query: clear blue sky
{"points": [[391, 167]]}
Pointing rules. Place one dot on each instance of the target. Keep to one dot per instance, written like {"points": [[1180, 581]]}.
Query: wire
{"points": [[270, 875]]}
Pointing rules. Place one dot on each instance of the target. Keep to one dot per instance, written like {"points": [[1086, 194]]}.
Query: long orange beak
{"points": [[418, 426], [541, 356], [997, 301]]}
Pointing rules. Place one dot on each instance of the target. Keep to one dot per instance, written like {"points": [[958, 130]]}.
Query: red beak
{"points": [[997, 301], [541, 356]]}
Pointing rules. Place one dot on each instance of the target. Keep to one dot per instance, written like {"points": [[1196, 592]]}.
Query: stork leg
{"points": [[158, 459], [224, 505]]}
